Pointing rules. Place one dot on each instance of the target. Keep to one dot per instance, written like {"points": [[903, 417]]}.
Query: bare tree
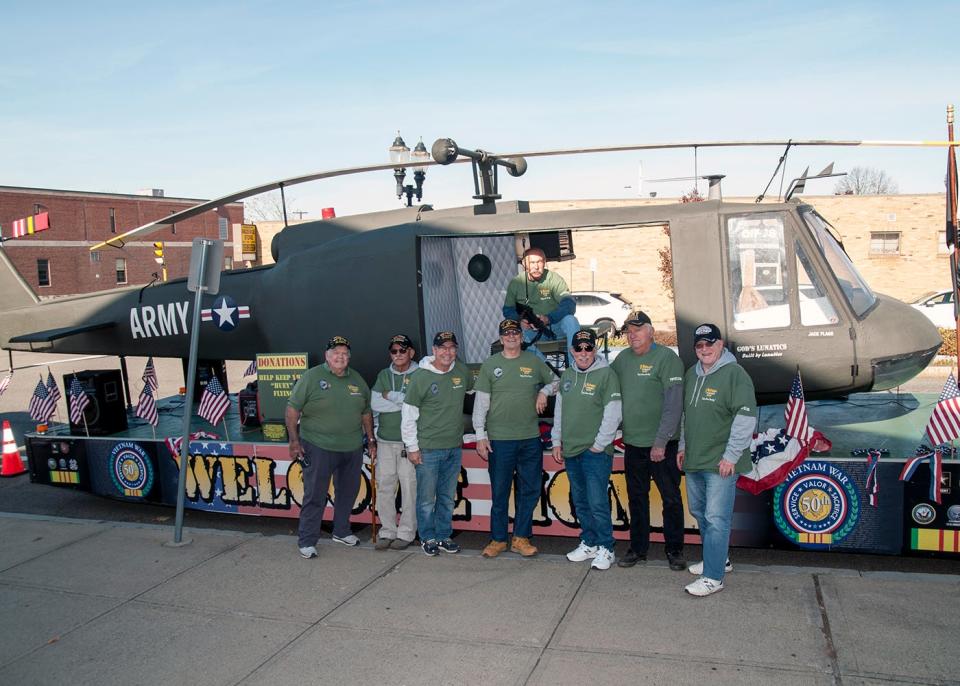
{"points": [[266, 207], [866, 181]]}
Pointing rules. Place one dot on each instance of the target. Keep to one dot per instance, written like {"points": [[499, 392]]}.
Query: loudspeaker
{"points": [[249, 406], [204, 369], [107, 412]]}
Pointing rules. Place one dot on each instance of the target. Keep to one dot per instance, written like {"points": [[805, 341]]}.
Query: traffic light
{"points": [[158, 252]]}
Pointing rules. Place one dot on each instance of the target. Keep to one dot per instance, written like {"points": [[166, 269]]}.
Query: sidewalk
{"points": [[92, 602]]}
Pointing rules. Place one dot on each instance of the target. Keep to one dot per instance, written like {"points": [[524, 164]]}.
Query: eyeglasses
{"points": [[703, 345], [397, 351], [582, 348], [511, 332]]}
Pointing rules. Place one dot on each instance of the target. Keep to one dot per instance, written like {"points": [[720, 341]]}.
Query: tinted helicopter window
{"points": [[854, 288], [815, 306], [758, 265]]}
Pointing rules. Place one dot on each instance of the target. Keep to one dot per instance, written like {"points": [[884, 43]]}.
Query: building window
{"points": [[95, 257], [228, 263], [36, 208], [121, 270], [113, 220], [884, 243], [224, 225], [43, 272]]}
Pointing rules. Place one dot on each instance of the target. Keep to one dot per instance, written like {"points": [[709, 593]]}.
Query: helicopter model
{"points": [[772, 276]]}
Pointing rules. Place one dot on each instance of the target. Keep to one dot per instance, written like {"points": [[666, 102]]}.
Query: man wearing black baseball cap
{"points": [[651, 381], [432, 429], [327, 414], [393, 467], [720, 415]]}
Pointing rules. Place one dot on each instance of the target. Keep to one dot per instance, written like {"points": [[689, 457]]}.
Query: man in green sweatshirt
{"points": [[720, 416]]}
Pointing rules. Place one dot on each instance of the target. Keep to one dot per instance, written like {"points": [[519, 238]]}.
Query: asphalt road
{"points": [[18, 495]]}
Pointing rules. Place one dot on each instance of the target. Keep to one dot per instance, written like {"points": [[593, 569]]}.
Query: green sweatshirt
{"points": [[330, 408]]}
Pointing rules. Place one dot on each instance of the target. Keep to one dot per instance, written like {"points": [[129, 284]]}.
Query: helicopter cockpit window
{"points": [[815, 306], [854, 288], [758, 266]]}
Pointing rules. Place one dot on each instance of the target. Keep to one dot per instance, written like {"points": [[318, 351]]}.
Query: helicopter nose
{"points": [[899, 342]]}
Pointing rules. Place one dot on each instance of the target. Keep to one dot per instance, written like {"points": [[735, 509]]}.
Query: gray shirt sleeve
{"points": [[481, 405], [612, 414], [741, 433], [557, 412], [670, 415]]}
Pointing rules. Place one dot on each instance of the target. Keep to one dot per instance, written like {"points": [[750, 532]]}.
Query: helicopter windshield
{"points": [[854, 288]]}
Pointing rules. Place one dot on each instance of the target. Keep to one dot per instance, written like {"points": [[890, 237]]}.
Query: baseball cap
{"points": [[337, 341], [402, 340], [706, 332], [444, 337], [637, 318], [508, 325], [585, 336]]}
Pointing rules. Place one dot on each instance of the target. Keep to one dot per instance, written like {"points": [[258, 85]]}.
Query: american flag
{"points": [[52, 389], [944, 424], [150, 376], [796, 412], [6, 382], [78, 401], [42, 405], [147, 406], [174, 443], [214, 402], [252, 369]]}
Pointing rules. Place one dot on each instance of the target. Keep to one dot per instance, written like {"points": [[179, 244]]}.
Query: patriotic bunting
{"points": [[174, 443], [774, 455], [934, 460]]}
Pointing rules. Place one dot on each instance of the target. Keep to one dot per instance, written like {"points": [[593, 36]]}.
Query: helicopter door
{"points": [[782, 316]]}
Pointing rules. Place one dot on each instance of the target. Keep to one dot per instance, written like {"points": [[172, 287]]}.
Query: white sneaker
{"points": [[704, 586], [697, 568], [582, 552], [349, 539], [308, 552], [603, 559]]}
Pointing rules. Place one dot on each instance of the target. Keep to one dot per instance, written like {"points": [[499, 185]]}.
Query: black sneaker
{"points": [[448, 546], [676, 562], [430, 548], [630, 559]]}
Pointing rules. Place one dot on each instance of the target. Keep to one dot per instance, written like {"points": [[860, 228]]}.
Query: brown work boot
{"points": [[523, 546], [494, 548]]}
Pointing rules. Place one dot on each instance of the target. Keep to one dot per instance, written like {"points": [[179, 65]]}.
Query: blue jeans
{"points": [[710, 500], [525, 459], [436, 489], [589, 475], [565, 328]]}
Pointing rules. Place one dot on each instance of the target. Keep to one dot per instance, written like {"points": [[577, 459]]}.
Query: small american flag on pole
{"points": [[150, 376], [78, 401], [214, 402], [147, 407], [6, 382], [796, 412], [944, 424], [252, 369], [52, 389], [41, 404]]}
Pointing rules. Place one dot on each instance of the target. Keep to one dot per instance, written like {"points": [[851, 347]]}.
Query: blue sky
{"points": [[206, 98]]}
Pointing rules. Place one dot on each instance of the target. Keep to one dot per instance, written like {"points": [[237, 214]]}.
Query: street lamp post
{"points": [[401, 156]]}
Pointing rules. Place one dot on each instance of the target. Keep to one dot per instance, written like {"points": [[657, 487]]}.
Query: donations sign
{"points": [[276, 375]]}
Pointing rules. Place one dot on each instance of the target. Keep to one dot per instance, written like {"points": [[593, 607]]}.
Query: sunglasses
{"points": [[703, 345], [582, 348], [397, 351], [511, 332]]}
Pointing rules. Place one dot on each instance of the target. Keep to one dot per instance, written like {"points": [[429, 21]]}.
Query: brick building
{"points": [[58, 261]]}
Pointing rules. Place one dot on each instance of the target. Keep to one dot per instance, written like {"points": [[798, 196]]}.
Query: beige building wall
{"points": [[627, 261]]}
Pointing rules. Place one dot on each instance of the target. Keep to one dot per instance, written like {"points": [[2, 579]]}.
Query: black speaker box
{"points": [[206, 369], [107, 411]]}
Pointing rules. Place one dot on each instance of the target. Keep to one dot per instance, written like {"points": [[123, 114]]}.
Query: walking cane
{"points": [[373, 499]]}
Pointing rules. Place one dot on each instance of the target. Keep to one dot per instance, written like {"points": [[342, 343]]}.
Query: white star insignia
{"points": [[225, 313]]}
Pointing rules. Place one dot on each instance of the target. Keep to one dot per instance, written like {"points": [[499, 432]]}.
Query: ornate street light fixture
{"points": [[401, 157]]}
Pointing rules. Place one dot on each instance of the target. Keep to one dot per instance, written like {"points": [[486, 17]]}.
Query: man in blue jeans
{"points": [[585, 422], [511, 391], [431, 427], [719, 418]]}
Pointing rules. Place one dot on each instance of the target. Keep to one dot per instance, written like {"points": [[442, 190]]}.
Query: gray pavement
{"points": [[100, 602]]}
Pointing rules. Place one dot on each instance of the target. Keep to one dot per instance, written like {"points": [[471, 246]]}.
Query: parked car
{"points": [[938, 308], [597, 307]]}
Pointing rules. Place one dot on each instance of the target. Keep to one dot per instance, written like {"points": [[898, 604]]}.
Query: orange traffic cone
{"points": [[12, 464]]}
